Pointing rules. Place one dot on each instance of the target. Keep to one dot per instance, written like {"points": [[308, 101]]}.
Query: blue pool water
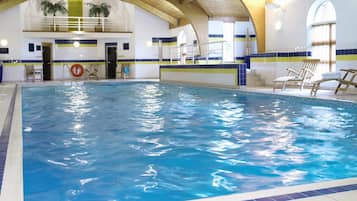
{"points": [[160, 142]]}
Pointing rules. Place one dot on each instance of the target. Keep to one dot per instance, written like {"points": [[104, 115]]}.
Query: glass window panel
{"points": [[228, 37], [333, 32], [323, 35], [325, 13]]}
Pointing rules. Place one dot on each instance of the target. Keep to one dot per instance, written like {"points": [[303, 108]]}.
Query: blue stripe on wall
{"points": [[164, 39], [111, 44], [243, 35], [22, 61], [215, 35], [346, 51], [282, 54], [72, 41]]}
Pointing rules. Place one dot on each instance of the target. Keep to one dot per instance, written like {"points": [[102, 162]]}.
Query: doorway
{"points": [[111, 61], [47, 60]]}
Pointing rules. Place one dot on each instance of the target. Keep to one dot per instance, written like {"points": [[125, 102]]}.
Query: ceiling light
{"points": [[78, 32], [76, 44], [3, 42], [278, 25], [149, 43]]}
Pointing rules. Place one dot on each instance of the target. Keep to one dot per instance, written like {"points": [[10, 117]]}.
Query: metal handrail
{"points": [[74, 23], [193, 51]]}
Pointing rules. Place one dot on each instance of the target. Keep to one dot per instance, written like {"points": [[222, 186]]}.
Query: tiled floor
{"points": [[13, 176]]}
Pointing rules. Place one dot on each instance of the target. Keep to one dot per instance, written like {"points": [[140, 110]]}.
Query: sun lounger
{"points": [[92, 72], [325, 77], [300, 77], [347, 80]]}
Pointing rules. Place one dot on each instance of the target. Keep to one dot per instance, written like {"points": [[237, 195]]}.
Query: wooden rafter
{"points": [[162, 14]]}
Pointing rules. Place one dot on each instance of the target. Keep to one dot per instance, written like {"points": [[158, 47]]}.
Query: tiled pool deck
{"points": [[12, 183]]}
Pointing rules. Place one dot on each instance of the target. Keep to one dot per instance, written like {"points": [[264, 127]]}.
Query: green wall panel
{"points": [[75, 8]]}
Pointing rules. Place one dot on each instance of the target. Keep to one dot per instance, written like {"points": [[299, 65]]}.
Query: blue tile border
{"points": [[5, 135], [164, 39], [307, 194], [72, 41], [282, 54], [215, 35], [198, 58], [111, 44], [244, 36], [346, 51], [198, 66]]}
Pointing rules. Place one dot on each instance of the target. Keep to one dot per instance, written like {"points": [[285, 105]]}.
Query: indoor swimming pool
{"points": [[153, 141]]}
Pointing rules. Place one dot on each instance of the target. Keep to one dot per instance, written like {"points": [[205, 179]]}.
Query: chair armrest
{"points": [[310, 71], [291, 70]]}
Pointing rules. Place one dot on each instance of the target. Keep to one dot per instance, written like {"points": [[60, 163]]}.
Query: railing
{"points": [[193, 52], [69, 23]]}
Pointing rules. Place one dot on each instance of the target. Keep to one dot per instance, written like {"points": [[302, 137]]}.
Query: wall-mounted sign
{"points": [[4, 50], [125, 46], [31, 47]]}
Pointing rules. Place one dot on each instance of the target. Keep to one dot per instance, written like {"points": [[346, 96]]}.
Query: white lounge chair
{"points": [[29, 72], [92, 72], [346, 81], [300, 77], [325, 77]]}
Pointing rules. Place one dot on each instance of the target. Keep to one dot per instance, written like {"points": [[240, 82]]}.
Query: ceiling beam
{"points": [[186, 1], [6, 4], [229, 18], [163, 15]]}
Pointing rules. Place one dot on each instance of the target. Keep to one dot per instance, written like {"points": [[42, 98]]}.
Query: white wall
{"points": [[188, 29], [11, 30], [293, 35], [294, 30], [147, 26], [244, 28]]}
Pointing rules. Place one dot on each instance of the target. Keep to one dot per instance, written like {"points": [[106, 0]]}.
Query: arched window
{"points": [[181, 42], [228, 37], [323, 36]]}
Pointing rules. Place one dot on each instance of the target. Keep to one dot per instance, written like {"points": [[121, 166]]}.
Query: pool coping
{"points": [[5, 133], [12, 180], [12, 183], [296, 192]]}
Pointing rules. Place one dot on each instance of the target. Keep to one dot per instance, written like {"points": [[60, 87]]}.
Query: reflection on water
{"points": [[150, 141]]}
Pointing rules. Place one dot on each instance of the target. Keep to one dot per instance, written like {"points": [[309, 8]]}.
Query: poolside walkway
{"points": [[10, 144], [350, 95]]}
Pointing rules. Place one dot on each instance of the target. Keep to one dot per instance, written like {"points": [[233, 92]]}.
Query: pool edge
{"points": [[12, 182], [311, 190]]}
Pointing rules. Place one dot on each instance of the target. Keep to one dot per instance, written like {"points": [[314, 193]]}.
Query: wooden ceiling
{"points": [[224, 8], [215, 9]]}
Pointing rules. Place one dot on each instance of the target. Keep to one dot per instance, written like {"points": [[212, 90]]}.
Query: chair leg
{"points": [[302, 86], [315, 88], [284, 85]]}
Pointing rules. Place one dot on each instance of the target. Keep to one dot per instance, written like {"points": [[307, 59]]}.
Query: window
{"points": [[323, 37], [182, 51], [228, 37]]}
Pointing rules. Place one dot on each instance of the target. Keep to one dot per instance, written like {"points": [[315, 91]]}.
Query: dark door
{"points": [[46, 57], [111, 62]]}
